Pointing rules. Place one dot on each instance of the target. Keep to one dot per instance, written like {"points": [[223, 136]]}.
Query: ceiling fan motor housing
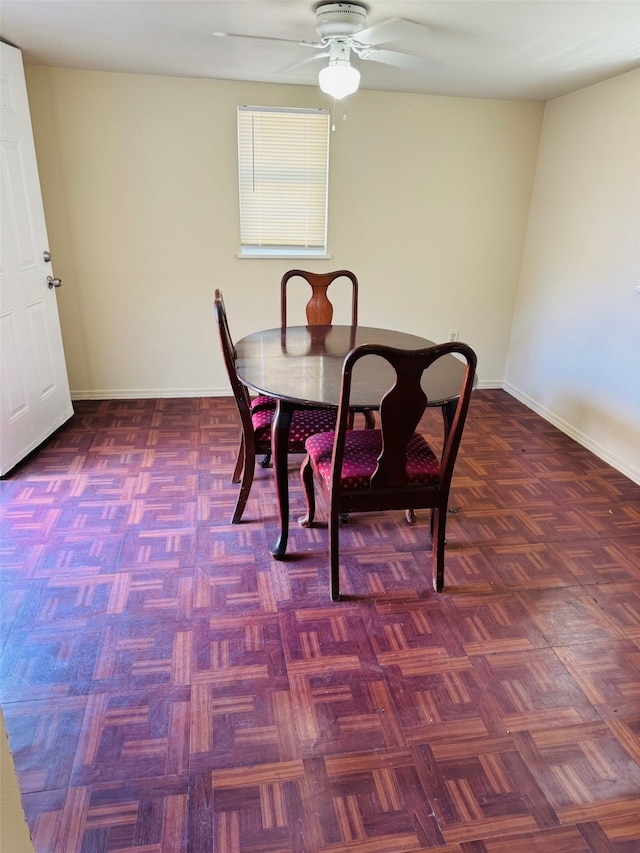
{"points": [[340, 19]]}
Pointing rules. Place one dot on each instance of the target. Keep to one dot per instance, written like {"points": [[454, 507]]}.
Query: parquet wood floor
{"points": [[168, 687]]}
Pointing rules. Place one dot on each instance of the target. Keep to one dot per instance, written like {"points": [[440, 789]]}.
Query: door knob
{"points": [[53, 282]]}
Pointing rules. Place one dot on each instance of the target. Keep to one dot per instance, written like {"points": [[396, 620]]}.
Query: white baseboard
{"points": [[601, 452], [148, 393], [490, 384]]}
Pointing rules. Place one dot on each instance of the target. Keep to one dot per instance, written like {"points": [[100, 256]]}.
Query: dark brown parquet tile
{"points": [[72, 553], [170, 688], [134, 735], [37, 730], [530, 690], [495, 623], [539, 565], [555, 523], [47, 663], [583, 770], [569, 616], [142, 653], [621, 603], [602, 561], [608, 673]]}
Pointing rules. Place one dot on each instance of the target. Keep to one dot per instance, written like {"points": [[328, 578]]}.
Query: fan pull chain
{"points": [[345, 117]]}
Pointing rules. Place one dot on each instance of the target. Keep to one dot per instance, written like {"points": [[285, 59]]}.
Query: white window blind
{"points": [[283, 167]]}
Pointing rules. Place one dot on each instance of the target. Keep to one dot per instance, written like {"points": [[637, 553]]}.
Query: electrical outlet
{"points": [[453, 334]]}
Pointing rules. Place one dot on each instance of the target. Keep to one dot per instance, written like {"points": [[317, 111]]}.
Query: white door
{"points": [[34, 389]]}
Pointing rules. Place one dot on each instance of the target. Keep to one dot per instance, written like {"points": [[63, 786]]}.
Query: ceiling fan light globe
{"points": [[339, 79]]}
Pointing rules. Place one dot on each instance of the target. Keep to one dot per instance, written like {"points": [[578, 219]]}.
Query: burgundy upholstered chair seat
{"points": [[263, 402], [305, 422], [362, 447]]}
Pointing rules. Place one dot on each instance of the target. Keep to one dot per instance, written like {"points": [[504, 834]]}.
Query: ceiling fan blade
{"points": [[304, 62], [312, 44], [393, 30], [411, 61]]}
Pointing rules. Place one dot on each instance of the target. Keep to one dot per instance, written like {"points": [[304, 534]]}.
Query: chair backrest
{"points": [[240, 391], [319, 309], [401, 409]]}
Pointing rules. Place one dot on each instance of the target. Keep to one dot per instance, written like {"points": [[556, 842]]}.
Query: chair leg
{"points": [[334, 553], [239, 462], [439, 520], [247, 479], [306, 475], [265, 462], [369, 419]]}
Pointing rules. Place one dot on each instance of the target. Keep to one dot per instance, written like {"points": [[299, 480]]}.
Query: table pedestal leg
{"points": [[279, 444], [448, 413]]}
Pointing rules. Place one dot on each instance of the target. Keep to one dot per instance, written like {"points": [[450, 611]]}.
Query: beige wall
{"points": [[429, 200], [14, 832], [575, 347]]}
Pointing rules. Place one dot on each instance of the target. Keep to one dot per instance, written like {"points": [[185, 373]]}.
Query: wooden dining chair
{"points": [[319, 308], [256, 417], [392, 467]]}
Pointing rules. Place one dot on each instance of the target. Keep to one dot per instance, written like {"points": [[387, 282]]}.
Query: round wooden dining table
{"points": [[302, 366]]}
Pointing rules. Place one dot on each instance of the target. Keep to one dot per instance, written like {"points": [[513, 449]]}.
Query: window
{"points": [[283, 168]]}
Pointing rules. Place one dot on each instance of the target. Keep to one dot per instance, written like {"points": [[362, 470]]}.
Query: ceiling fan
{"points": [[342, 28]]}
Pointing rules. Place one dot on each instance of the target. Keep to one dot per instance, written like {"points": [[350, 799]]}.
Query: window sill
{"points": [[244, 256], [276, 257]]}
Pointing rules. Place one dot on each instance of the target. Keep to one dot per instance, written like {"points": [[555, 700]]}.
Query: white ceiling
{"points": [[515, 49]]}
